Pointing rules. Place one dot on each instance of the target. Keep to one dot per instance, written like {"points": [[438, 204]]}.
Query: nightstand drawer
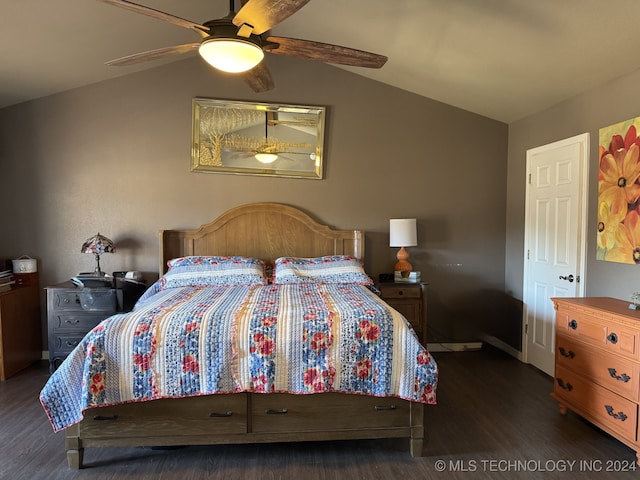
{"points": [[64, 343], [69, 321], [409, 310], [400, 291], [90, 299]]}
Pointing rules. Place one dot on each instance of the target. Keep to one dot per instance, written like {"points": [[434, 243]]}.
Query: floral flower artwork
{"points": [[619, 193]]}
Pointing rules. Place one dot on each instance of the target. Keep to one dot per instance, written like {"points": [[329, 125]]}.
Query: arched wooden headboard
{"points": [[261, 230]]}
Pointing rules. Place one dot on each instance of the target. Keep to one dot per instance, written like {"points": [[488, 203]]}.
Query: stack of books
{"points": [[6, 280], [411, 277]]}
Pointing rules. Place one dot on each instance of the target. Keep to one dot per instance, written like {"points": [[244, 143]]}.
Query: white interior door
{"points": [[555, 240]]}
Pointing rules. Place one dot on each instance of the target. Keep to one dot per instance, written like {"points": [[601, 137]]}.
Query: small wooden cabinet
{"points": [[597, 364], [20, 329], [410, 299], [73, 311]]}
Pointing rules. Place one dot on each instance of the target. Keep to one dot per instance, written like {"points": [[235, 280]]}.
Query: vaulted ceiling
{"points": [[504, 59]]}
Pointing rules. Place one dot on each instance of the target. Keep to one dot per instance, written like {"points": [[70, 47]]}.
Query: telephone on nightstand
{"points": [[133, 276]]}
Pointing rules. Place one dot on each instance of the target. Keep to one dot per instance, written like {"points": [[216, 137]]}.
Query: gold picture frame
{"points": [[257, 138]]}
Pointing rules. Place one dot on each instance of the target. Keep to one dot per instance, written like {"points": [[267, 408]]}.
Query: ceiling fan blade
{"points": [[259, 78], [153, 54], [262, 15], [325, 52], [150, 12]]}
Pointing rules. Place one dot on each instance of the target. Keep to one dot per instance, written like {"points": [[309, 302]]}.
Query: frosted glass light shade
{"points": [[231, 55], [266, 157], [403, 232]]}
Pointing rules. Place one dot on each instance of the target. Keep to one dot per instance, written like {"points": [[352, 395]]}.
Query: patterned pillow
{"points": [[201, 271], [329, 269]]}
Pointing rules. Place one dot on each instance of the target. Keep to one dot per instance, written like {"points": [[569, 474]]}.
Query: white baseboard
{"points": [[505, 347], [45, 355], [454, 347]]}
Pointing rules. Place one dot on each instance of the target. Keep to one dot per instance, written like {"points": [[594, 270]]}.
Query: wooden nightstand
{"points": [[20, 329], [410, 299], [73, 311]]}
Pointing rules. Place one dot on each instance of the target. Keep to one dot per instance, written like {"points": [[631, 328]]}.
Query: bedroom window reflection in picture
{"points": [[240, 137]]}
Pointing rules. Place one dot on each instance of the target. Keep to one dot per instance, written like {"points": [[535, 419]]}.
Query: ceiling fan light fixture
{"points": [[233, 55], [266, 157]]}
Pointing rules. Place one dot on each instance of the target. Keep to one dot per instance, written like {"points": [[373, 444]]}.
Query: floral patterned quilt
{"points": [[299, 338]]}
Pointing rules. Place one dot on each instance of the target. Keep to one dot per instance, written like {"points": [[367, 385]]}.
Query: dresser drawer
{"points": [[61, 345], [598, 331], [201, 415], [617, 374], [93, 300], [597, 403], [294, 413], [399, 291], [70, 321]]}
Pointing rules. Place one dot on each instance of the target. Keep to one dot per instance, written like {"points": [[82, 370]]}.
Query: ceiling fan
{"points": [[235, 44]]}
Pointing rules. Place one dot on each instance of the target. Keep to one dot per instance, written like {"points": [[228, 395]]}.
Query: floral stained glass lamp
{"points": [[98, 245]]}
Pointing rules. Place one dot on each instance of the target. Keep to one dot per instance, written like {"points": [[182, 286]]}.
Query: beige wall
{"points": [[114, 157], [600, 107]]}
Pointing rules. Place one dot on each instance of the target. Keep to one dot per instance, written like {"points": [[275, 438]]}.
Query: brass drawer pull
{"points": [[618, 416], [220, 414], [622, 378], [613, 338], [270, 411], [568, 387], [101, 418], [384, 407], [573, 325], [568, 354]]}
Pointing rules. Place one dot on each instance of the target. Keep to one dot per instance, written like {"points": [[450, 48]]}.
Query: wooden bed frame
{"points": [[266, 231]]}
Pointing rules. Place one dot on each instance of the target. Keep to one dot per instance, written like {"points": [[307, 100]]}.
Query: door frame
{"points": [[583, 201]]}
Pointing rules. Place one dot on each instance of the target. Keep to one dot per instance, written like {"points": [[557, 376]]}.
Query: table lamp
{"points": [[403, 233], [98, 245]]}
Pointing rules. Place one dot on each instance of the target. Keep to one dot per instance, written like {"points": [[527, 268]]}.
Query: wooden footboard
{"points": [[246, 418]]}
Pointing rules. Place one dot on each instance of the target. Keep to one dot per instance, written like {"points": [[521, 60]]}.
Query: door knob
{"points": [[570, 278]]}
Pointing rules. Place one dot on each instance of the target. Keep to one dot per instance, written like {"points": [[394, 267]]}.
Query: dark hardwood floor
{"points": [[494, 419]]}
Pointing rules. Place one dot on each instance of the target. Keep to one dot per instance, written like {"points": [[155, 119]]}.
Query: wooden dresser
{"points": [[597, 364], [20, 329]]}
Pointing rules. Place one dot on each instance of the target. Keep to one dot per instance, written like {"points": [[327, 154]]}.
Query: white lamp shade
{"points": [[403, 232]]}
